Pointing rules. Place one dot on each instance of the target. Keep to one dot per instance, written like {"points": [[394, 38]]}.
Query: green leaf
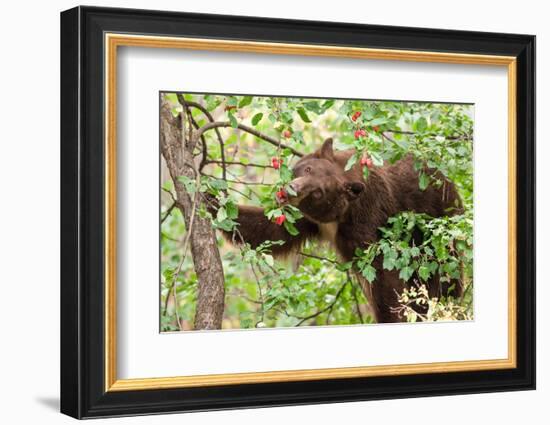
{"points": [[421, 125], [290, 228], [403, 144], [377, 159], [423, 181], [245, 101], [290, 219], [218, 184], [246, 323], [293, 211], [227, 224], [344, 266], [351, 162], [273, 213], [424, 272], [221, 215], [328, 104], [287, 118], [378, 121], [190, 184], [232, 210], [406, 273], [290, 191], [389, 261], [441, 252], [285, 173], [233, 121], [303, 115], [369, 272], [313, 106], [257, 118]]}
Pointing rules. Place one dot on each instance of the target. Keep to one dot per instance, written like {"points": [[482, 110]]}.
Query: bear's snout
{"points": [[295, 187], [300, 186], [298, 190]]}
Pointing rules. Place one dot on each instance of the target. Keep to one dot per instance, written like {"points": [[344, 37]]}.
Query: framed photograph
{"points": [[261, 212]]}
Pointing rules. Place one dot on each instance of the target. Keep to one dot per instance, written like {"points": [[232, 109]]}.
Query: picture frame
{"points": [[90, 40]]}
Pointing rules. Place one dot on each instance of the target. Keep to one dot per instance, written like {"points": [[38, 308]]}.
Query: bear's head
{"points": [[323, 191]]}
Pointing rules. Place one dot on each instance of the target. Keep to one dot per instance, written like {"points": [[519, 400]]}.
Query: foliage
{"points": [[316, 288], [446, 246], [437, 310]]}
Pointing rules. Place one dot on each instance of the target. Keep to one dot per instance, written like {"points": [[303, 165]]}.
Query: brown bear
{"points": [[346, 210]]}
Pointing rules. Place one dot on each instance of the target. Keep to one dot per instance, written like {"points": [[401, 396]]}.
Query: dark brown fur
{"points": [[346, 210]]}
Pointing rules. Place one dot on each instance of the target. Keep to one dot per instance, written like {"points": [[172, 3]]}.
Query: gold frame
{"points": [[113, 41]]}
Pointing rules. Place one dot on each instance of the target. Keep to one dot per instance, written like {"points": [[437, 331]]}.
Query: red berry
{"points": [[280, 220], [281, 194], [376, 128], [287, 134], [366, 162], [276, 162], [356, 115]]}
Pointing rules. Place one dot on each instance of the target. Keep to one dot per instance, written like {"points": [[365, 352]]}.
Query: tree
{"points": [[178, 153]]}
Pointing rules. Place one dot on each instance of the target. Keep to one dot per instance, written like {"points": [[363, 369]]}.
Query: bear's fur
{"points": [[342, 208]]}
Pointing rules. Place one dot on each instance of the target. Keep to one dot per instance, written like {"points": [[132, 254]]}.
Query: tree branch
{"points": [[208, 115], [254, 132]]}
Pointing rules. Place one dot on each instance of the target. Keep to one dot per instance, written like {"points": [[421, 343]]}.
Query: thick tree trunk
{"points": [[206, 256]]}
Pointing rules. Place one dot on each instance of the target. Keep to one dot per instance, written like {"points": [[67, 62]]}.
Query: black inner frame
{"points": [[82, 212]]}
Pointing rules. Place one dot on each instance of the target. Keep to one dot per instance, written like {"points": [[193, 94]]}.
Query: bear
{"points": [[346, 210]]}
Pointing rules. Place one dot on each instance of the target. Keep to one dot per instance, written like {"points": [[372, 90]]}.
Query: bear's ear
{"points": [[354, 189], [326, 150]]}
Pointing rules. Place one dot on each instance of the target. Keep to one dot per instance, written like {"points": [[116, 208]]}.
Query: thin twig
{"points": [[203, 143], [254, 132], [327, 308], [242, 164], [356, 299], [210, 118], [319, 258], [412, 133], [240, 192], [238, 181], [168, 212], [244, 297]]}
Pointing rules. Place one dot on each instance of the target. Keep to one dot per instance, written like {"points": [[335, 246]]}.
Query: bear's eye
{"points": [[307, 170]]}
